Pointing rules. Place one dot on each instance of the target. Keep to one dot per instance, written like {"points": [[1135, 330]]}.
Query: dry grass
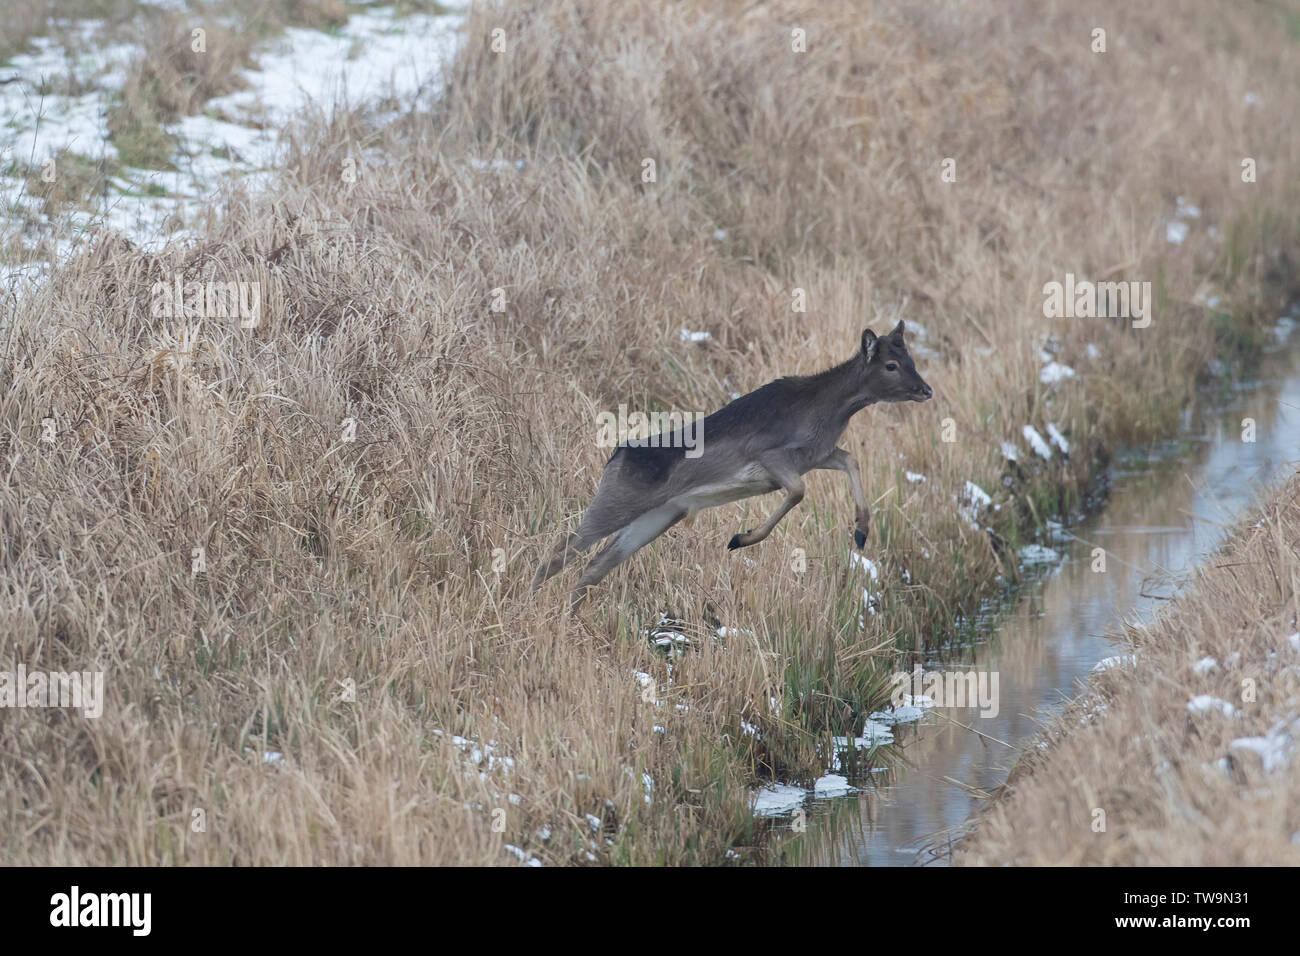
{"points": [[25, 20], [373, 560], [1174, 789], [170, 79]]}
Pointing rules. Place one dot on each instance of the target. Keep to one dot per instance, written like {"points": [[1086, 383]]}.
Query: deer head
{"points": [[888, 371]]}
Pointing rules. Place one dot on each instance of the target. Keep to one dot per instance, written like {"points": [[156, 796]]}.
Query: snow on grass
{"points": [[375, 57], [37, 122], [913, 477], [726, 632], [869, 603], [1059, 440], [869, 567], [1096, 707], [1205, 703], [1037, 443], [1206, 665], [1175, 232], [1274, 749], [481, 757], [496, 164], [1054, 372], [523, 857], [1010, 452], [665, 636], [978, 495], [1119, 660], [972, 503]]}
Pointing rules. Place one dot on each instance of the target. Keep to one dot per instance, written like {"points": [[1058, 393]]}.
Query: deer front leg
{"points": [[841, 460], [788, 479]]}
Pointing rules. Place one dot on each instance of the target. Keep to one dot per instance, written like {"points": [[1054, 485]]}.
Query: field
{"points": [[298, 542]]}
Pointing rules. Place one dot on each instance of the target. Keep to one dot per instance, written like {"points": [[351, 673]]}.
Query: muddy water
{"points": [[1169, 506]]}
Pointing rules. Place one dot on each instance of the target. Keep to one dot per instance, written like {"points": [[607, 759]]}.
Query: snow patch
{"points": [[832, 785], [1054, 372], [972, 504], [1273, 749], [1058, 439], [1032, 554], [904, 714], [777, 799], [866, 564], [1037, 443], [1205, 703]]}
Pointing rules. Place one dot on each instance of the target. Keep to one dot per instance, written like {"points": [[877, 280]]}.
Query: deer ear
{"points": [[897, 334], [869, 342]]}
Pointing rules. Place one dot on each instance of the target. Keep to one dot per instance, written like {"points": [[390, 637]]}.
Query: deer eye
{"points": [[891, 366]]}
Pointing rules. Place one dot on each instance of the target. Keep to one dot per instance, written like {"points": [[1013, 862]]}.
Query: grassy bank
{"points": [[112, 82], [501, 268], [1148, 767]]}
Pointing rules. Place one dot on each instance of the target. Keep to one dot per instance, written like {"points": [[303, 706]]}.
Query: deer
{"points": [[762, 442]]}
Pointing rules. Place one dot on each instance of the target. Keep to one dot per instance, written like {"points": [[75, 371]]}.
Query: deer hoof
{"points": [[859, 539]]}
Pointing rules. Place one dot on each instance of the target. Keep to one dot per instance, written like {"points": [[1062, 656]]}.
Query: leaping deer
{"points": [[760, 442]]}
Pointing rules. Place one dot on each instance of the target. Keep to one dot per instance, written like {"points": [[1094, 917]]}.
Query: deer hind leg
{"points": [[564, 552], [634, 536], [841, 460], [788, 479], [599, 522]]}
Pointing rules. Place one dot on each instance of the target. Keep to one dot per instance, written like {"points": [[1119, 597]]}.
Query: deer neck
{"points": [[844, 393]]}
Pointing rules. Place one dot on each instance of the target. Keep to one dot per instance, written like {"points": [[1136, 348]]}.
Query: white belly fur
{"points": [[752, 479]]}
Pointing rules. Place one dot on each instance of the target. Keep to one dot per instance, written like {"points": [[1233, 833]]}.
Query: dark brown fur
{"points": [[758, 443]]}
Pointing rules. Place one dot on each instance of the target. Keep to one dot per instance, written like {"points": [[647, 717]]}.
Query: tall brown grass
{"points": [[376, 560]]}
